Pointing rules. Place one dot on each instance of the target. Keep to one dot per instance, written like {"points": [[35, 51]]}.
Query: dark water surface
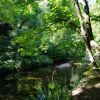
{"points": [[21, 85]]}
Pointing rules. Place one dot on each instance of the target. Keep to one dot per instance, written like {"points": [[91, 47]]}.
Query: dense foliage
{"points": [[41, 35]]}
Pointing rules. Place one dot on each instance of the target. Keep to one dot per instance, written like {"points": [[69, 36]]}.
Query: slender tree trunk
{"points": [[86, 30]]}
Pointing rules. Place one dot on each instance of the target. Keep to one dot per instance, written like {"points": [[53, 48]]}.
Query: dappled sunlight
{"points": [[30, 78], [48, 50]]}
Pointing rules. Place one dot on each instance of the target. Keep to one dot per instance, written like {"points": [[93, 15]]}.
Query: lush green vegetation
{"points": [[41, 34]]}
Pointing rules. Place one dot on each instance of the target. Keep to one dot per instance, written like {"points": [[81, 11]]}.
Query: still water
{"points": [[23, 85]]}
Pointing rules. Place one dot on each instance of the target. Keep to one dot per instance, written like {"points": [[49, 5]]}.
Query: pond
{"points": [[29, 84]]}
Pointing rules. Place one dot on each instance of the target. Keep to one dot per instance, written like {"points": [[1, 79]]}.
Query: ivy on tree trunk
{"points": [[86, 30]]}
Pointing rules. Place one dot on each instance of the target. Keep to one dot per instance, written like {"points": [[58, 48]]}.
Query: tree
{"points": [[86, 30]]}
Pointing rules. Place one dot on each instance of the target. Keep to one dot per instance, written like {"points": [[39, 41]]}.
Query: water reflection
{"points": [[23, 84]]}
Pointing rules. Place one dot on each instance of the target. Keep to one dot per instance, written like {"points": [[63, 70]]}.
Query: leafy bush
{"points": [[45, 60], [56, 53], [53, 91]]}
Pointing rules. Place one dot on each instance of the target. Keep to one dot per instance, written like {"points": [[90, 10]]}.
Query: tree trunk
{"points": [[86, 30]]}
